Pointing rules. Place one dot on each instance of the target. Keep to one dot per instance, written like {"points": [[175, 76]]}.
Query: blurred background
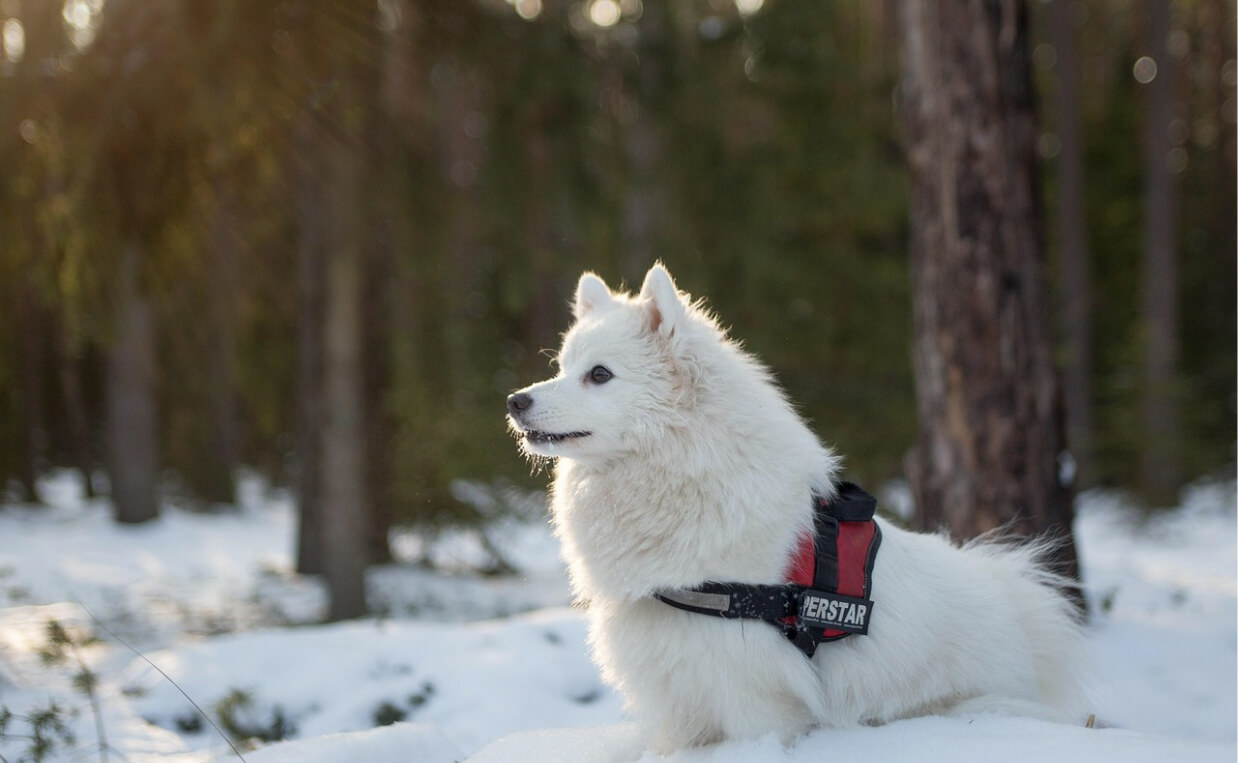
{"points": [[211, 207]]}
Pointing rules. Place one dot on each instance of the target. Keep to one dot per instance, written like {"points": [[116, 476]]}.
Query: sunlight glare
{"points": [[77, 14], [748, 7], [390, 14], [632, 10], [528, 9], [605, 13], [14, 40], [81, 18]]}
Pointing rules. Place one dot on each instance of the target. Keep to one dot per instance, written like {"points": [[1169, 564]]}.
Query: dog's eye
{"points": [[600, 375]]}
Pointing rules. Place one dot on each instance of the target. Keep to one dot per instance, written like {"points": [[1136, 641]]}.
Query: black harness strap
{"points": [[737, 601], [825, 574]]}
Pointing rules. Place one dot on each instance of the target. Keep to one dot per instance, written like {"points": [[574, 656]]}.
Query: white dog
{"points": [[679, 462]]}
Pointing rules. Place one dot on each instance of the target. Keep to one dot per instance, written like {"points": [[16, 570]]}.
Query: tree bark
{"points": [[988, 399], [77, 418], [340, 130], [1160, 471], [398, 130], [132, 417], [311, 282], [33, 319], [645, 204], [218, 472], [345, 507], [378, 426], [1075, 265]]}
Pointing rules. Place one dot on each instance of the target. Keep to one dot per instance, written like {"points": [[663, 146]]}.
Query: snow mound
{"points": [[925, 740], [421, 742]]}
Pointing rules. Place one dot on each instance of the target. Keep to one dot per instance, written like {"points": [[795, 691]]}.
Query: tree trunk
{"points": [[33, 335], [645, 212], [340, 130], [77, 418], [399, 128], [380, 277], [311, 282], [540, 316], [461, 162], [218, 472], [378, 427], [1159, 472], [989, 405], [132, 425], [1072, 242], [345, 508]]}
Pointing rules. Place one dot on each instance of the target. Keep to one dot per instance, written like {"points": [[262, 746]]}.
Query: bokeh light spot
{"points": [[605, 13], [1144, 70]]}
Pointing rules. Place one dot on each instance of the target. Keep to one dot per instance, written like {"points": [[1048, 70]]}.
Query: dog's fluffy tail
{"points": [[1050, 616]]}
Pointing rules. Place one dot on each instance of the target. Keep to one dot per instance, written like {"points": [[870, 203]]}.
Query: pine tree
{"points": [[990, 409]]}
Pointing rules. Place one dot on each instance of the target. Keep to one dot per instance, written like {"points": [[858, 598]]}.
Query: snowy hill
{"points": [[211, 601]]}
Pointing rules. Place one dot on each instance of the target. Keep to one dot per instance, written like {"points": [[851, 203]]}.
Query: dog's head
{"points": [[622, 377]]}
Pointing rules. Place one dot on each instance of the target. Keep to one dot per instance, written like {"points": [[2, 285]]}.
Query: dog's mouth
{"points": [[537, 437]]}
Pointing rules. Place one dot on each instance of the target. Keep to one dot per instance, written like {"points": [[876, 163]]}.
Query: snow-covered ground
{"points": [[496, 668]]}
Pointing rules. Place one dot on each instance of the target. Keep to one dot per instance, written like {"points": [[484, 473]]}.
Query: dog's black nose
{"points": [[519, 402]]}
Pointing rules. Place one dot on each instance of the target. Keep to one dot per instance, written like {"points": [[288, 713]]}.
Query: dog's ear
{"points": [[591, 293], [663, 301]]}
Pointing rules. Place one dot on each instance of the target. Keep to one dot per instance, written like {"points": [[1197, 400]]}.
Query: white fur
{"points": [[696, 468]]}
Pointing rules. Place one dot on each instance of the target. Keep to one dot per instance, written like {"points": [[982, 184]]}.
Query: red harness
{"points": [[829, 581]]}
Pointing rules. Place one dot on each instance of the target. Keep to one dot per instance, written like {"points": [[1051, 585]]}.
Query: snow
{"points": [[925, 740], [496, 668]]}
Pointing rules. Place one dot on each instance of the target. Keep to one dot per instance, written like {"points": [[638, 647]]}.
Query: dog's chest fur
{"points": [[627, 531]]}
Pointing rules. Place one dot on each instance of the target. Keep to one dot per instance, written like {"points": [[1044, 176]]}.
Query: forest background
{"points": [[209, 205]]}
